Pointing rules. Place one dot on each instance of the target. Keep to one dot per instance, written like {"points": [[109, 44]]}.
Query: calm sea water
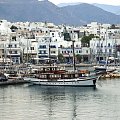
{"points": [[24, 102]]}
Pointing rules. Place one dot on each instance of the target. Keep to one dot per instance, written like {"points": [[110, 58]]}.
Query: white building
{"points": [[100, 49]]}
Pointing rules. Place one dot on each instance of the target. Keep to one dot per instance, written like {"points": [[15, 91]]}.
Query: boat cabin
{"points": [[57, 72]]}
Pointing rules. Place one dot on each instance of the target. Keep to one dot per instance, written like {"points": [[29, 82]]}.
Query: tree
{"points": [[86, 40], [78, 57], [67, 36], [61, 58], [112, 26], [13, 28]]}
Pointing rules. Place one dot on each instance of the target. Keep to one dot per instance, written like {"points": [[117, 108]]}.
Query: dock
{"points": [[78, 65], [13, 82], [111, 75]]}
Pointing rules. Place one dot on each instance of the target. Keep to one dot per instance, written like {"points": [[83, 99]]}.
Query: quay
{"points": [[111, 75], [77, 65], [13, 82]]}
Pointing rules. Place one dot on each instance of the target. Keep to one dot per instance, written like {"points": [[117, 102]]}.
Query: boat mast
{"points": [[106, 56], [99, 42], [27, 48], [74, 67], [49, 52]]}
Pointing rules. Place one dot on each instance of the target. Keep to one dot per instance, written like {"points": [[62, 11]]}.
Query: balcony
{"points": [[13, 48]]}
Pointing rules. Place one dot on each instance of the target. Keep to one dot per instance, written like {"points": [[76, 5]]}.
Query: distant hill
{"points": [[33, 11], [88, 13], [109, 8]]}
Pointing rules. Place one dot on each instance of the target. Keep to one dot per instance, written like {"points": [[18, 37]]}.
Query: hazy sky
{"points": [[110, 2]]}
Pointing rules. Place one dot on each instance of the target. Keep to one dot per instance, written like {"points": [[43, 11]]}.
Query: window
{"points": [[52, 34], [42, 46], [13, 38], [2, 51], [100, 50], [9, 46], [32, 48], [97, 44], [40, 52], [108, 44], [86, 51], [44, 52], [15, 52], [105, 50], [10, 52], [110, 51], [52, 46], [53, 52]]}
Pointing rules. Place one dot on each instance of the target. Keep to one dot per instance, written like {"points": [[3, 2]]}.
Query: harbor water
{"points": [[33, 102]]}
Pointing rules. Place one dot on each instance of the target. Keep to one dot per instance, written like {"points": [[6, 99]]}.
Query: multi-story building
{"points": [[100, 49], [47, 48]]}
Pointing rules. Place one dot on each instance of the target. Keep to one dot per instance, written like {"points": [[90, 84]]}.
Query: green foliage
{"points": [[13, 27], [61, 58], [67, 36], [86, 40], [112, 26], [78, 57]]}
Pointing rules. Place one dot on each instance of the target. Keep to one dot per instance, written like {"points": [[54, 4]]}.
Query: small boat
{"points": [[55, 76], [104, 69]]}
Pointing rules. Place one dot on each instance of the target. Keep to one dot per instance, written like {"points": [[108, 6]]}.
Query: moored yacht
{"points": [[55, 76]]}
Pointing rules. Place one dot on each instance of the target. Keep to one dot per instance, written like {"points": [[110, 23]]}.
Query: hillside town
{"points": [[34, 42], [59, 59]]}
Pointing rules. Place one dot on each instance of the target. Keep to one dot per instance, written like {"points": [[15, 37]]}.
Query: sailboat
{"points": [[54, 75], [105, 68], [104, 65]]}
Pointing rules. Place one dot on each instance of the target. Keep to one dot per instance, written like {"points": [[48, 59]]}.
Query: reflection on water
{"points": [[61, 103]]}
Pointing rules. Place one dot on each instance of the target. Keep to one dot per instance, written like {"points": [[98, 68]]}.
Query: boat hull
{"points": [[100, 69], [83, 82], [104, 70]]}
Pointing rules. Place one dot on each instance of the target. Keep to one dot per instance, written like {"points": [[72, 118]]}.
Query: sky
{"points": [[109, 2]]}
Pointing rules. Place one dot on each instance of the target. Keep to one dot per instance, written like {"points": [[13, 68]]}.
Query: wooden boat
{"points": [[55, 76]]}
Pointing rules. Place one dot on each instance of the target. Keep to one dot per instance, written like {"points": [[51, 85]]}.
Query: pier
{"points": [[111, 75], [13, 82]]}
